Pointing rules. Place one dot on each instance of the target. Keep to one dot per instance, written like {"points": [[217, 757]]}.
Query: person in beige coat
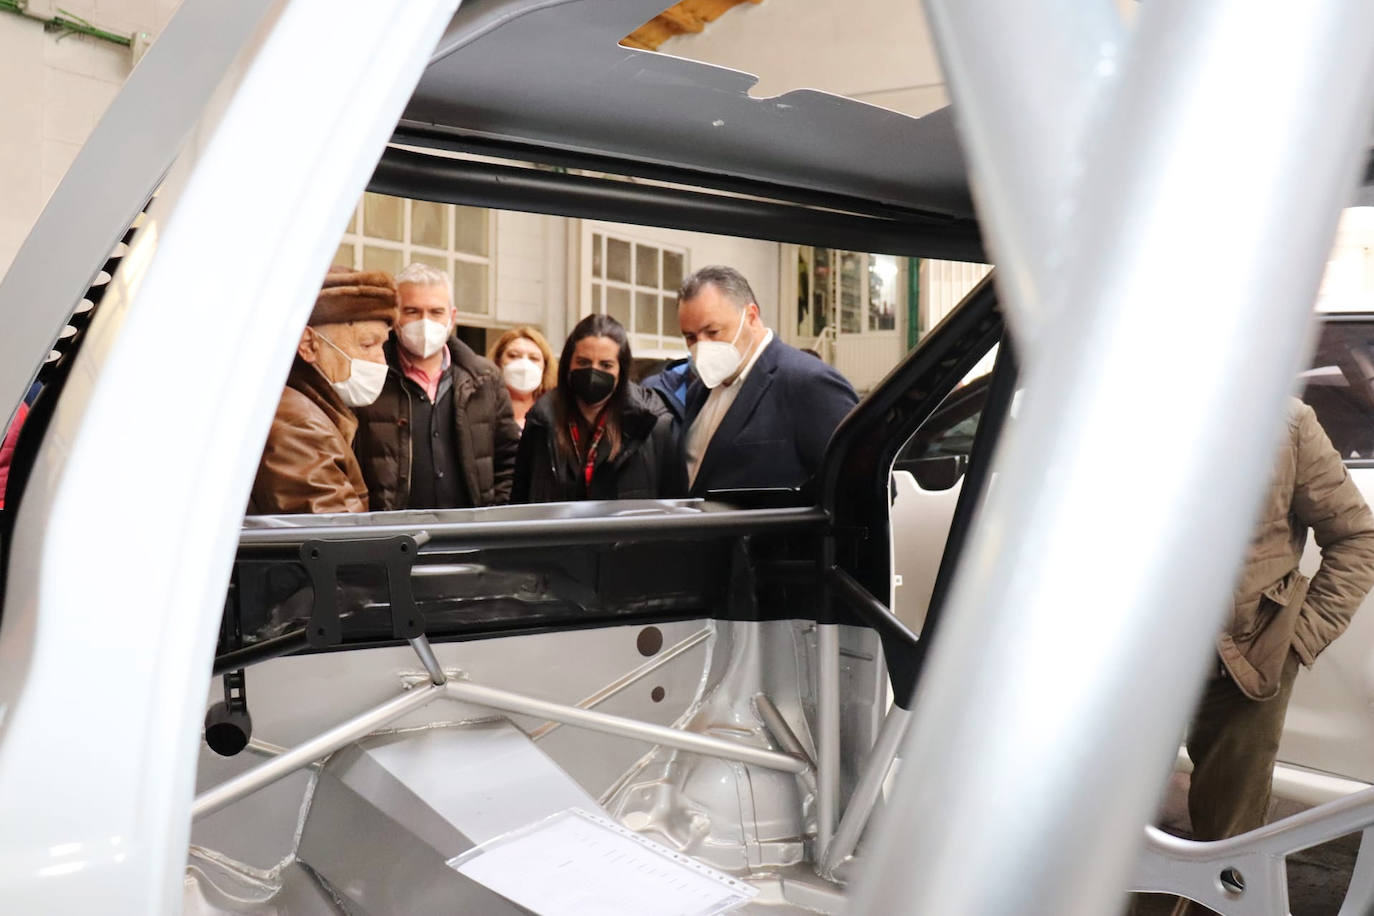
{"points": [[1279, 620]]}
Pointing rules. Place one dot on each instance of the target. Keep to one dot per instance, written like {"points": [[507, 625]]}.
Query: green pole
{"points": [[913, 302], [66, 22]]}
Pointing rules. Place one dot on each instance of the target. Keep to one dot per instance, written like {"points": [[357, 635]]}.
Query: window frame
{"points": [[657, 345], [355, 236], [1325, 320]]}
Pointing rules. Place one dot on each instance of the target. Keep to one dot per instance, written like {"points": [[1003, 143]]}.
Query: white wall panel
{"points": [[865, 359], [521, 240], [943, 284], [56, 89]]}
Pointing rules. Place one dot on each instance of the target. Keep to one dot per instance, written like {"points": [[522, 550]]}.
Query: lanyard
{"points": [[576, 434]]}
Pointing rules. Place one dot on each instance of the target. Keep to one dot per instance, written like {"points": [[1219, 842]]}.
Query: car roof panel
{"points": [[552, 73]]}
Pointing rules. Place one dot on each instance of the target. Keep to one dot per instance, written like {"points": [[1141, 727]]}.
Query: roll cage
{"points": [[1076, 278]]}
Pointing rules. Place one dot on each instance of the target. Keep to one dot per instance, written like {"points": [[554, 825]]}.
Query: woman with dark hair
{"points": [[597, 435]]}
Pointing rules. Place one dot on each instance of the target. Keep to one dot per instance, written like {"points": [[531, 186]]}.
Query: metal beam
{"points": [[302, 755], [1173, 865], [696, 743], [786, 738], [1081, 618], [690, 520], [867, 790], [827, 734], [1026, 80], [482, 184], [410, 133], [632, 677]]}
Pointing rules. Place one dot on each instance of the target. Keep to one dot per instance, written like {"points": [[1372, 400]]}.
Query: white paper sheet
{"points": [[581, 864]]}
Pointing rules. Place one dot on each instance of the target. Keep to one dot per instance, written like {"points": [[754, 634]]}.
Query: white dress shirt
{"points": [[718, 404]]}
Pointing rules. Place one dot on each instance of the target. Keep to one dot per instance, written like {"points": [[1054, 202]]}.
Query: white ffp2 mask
{"points": [[716, 360], [365, 378], [423, 338], [522, 375]]}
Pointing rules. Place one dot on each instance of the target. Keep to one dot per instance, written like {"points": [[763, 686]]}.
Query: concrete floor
{"points": [[1317, 877]]}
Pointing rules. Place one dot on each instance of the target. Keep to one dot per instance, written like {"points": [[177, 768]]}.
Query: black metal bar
{"points": [[995, 409], [454, 141], [406, 173], [855, 478], [900, 645], [792, 572], [291, 641]]}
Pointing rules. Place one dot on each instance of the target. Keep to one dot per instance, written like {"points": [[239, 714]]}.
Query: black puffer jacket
{"points": [[485, 434], [648, 466]]}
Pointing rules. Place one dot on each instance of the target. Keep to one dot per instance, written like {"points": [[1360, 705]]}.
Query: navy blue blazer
{"points": [[775, 433]]}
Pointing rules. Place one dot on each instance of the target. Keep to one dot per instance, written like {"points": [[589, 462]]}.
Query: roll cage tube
{"points": [[854, 479], [483, 184]]}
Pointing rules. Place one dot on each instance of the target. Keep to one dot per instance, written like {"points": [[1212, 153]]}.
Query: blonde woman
{"points": [[527, 364]]}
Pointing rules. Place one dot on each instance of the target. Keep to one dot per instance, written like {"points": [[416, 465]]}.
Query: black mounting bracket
{"points": [[322, 561]]}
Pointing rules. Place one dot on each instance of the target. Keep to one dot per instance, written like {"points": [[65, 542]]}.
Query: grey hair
{"points": [[729, 282], [417, 274]]}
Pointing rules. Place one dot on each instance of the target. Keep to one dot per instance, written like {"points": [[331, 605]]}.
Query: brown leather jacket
{"points": [[1276, 608], [308, 464]]}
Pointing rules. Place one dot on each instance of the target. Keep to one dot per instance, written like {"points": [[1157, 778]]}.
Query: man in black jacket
{"points": [[761, 412], [441, 435]]}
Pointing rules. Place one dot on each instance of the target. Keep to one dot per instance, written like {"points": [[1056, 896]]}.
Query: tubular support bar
{"points": [[631, 677], [426, 135], [867, 790], [900, 645], [427, 658], [828, 737], [1193, 163], [303, 755], [1169, 864], [482, 184], [246, 657], [555, 532], [696, 743], [786, 738], [1037, 77]]}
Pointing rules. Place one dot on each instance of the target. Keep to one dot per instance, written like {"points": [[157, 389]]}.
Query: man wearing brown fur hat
{"points": [[308, 465]]}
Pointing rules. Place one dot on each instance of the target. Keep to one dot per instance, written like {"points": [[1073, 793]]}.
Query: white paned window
{"points": [[635, 281], [387, 233]]}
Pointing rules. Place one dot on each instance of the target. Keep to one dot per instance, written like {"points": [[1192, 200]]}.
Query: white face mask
{"points": [[423, 338], [522, 375], [716, 360], [365, 378]]}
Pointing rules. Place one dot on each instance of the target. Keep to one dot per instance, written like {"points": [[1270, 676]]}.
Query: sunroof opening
{"points": [[808, 44]]}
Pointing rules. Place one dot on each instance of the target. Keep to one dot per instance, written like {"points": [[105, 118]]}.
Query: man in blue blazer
{"points": [[761, 412]]}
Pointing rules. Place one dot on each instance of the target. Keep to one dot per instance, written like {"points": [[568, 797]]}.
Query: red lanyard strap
{"points": [[590, 467]]}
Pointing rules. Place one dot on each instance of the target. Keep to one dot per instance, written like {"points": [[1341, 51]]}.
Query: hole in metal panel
{"points": [[1232, 881], [650, 641]]}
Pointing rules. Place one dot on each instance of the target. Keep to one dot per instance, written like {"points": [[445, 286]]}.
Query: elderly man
{"points": [[442, 434], [308, 464], [761, 412]]}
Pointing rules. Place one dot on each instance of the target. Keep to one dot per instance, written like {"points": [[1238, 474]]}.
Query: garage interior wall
{"points": [[56, 88]]}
